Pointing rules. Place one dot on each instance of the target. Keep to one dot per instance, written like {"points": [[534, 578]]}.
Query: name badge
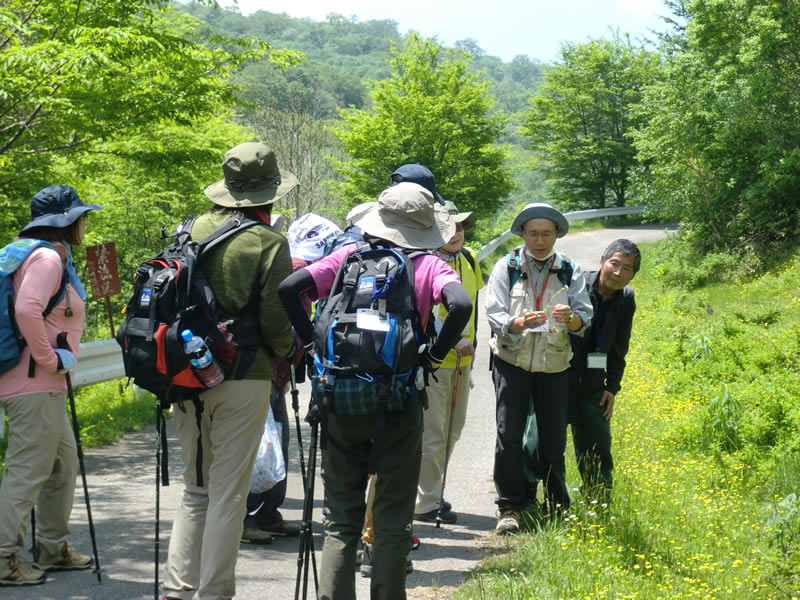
{"points": [[596, 360], [367, 318]]}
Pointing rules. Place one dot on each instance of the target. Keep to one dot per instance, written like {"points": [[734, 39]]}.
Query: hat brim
{"points": [[219, 194], [467, 219], [409, 237], [61, 220], [540, 212]]}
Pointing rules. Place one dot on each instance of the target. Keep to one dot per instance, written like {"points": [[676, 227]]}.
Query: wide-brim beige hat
{"points": [[251, 178], [405, 215], [540, 210]]}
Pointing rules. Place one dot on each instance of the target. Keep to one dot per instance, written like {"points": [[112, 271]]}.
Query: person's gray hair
{"points": [[626, 248]]}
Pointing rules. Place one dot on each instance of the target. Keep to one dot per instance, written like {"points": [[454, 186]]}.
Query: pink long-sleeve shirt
{"points": [[35, 282]]}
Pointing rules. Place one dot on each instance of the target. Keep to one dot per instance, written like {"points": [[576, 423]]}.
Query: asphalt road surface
{"points": [[122, 493]]}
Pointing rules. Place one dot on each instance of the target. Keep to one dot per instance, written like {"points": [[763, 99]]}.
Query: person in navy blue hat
{"points": [[42, 459], [416, 173]]}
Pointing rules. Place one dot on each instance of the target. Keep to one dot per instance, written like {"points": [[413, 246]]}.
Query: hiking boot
{"points": [[414, 542], [252, 535], [282, 528], [508, 522], [447, 516], [446, 506], [66, 559], [366, 561], [13, 573]]}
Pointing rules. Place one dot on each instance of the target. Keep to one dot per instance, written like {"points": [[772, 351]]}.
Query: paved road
{"points": [[122, 493]]}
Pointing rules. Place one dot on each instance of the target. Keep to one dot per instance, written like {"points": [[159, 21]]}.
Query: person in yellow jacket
{"points": [[440, 393]]}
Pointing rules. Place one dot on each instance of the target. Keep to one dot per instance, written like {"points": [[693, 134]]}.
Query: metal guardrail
{"points": [[577, 215], [102, 361]]}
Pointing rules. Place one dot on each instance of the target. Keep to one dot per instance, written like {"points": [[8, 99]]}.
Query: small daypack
{"points": [[170, 294], [11, 342], [368, 334]]}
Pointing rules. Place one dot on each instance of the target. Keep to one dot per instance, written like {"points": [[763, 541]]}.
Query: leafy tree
{"points": [[434, 111], [77, 72], [721, 142], [580, 118]]}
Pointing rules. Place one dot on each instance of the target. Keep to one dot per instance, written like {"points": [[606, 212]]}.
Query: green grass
{"points": [[105, 412], [707, 458]]}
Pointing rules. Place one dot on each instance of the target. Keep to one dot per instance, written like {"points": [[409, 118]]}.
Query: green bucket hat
{"points": [[467, 219], [252, 178]]}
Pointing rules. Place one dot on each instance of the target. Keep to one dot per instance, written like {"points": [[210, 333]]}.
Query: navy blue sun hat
{"points": [[57, 206], [416, 173]]}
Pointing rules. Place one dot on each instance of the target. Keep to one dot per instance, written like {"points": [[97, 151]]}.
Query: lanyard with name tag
{"points": [[596, 360]]}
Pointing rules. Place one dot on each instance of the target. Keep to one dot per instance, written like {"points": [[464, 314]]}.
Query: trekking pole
{"points": [[159, 418], [296, 409], [61, 341], [449, 435], [306, 533], [34, 549]]}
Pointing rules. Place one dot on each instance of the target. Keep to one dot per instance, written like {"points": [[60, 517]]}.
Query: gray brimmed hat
{"points": [[540, 210], [465, 218], [57, 206], [251, 178], [405, 216]]}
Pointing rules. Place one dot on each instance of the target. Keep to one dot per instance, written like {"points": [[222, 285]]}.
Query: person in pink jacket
{"points": [[41, 460]]}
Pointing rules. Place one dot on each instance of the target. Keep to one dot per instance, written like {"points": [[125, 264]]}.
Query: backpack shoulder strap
{"points": [[467, 253], [514, 266], [21, 250], [565, 271]]}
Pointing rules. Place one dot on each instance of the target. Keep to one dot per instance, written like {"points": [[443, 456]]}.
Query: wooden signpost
{"points": [[102, 263]]}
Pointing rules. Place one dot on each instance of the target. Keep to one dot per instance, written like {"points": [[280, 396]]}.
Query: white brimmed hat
{"points": [[310, 235]]}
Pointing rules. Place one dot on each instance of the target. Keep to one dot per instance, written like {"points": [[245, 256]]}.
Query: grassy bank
{"points": [[707, 459]]}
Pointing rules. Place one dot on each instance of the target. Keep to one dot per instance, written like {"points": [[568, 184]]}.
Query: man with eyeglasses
{"points": [[536, 297]]}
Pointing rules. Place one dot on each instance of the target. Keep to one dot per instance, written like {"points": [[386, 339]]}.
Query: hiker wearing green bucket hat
{"points": [[244, 272], [536, 298]]}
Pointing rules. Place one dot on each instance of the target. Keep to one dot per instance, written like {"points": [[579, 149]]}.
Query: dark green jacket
{"points": [[232, 268]]}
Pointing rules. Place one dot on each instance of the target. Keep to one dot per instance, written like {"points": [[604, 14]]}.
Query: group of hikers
{"points": [[384, 314]]}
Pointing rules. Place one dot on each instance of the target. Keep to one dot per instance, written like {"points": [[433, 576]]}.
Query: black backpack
{"points": [[170, 294], [368, 334]]}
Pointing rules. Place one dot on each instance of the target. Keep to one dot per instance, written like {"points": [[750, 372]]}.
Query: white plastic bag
{"points": [[269, 467]]}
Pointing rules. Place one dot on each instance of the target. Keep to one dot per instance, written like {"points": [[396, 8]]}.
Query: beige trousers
{"points": [[205, 536], [41, 462], [434, 436]]}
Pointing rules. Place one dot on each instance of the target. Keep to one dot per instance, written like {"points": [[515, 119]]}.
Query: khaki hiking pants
{"points": [[205, 536], [41, 462], [434, 436]]}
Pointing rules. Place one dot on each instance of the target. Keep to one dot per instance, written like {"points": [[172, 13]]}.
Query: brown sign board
{"points": [[102, 262]]}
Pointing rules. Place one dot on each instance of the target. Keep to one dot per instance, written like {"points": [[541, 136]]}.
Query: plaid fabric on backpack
{"points": [[368, 334]]}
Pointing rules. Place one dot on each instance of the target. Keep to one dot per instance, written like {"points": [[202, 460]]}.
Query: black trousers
{"points": [[262, 509], [518, 392], [591, 433]]}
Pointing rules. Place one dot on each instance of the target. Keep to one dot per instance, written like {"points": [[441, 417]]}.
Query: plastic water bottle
{"points": [[203, 363]]}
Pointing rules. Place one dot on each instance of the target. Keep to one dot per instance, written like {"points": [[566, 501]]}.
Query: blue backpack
{"points": [[11, 342]]}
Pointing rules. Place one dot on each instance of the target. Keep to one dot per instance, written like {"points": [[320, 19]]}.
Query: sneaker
{"points": [[282, 528], [366, 561], [66, 559], [447, 516], [251, 535], [13, 573], [508, 522], [414, 542]]}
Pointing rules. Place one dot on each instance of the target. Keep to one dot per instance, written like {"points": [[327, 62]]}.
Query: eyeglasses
{"points": [[540, 235]]}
